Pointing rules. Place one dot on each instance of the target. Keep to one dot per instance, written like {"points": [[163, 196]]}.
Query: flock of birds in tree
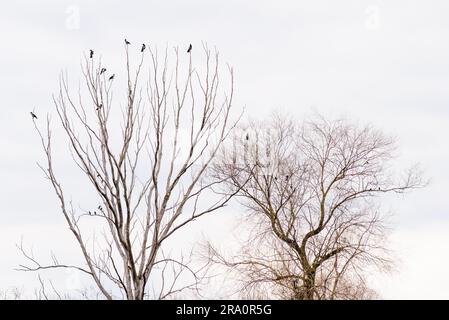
{"points": [[103, 70]]}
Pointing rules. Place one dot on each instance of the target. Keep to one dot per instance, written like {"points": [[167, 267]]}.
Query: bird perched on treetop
{"points": [[189, 49], [103, 70], [112, 77], [33, 116], [99, 107], [143, 47], [247, 137], [91, 54], [127, 42]]}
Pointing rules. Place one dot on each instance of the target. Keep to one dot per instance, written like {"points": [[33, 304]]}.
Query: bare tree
{"points": [[147, 167], [311, 191]]}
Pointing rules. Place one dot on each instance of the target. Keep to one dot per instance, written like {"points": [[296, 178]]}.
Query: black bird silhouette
{"points": [[33, 116], [190, 48], [295, 285], [143, 47], [103, 70], [91, 53], [99, 107], [112, 77], [247, 137], [127, 42], [286, 177]]}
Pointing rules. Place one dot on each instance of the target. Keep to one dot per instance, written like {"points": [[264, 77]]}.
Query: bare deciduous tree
{"points": [[146, 168], [310, 190]]}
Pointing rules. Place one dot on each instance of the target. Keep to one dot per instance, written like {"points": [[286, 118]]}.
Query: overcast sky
{"points": [[379, 62]]}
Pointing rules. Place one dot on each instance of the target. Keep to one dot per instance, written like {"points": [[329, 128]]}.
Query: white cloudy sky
{"points": [[383, 62]]}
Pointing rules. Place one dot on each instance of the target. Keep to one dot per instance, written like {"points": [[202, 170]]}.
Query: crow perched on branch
{"points": [[112, 77], [33, 116], [189, 49], [143, 47], [103, 70], [127, 42], [91, 54]]}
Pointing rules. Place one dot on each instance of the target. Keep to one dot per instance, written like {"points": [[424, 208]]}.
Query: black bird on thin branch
{"points": [[189, 49], [247, 137], [103, 70], [127, 42], [143, 47], [112, 77], [91, 54], [33, 116], [295, 285], [99, 107]]}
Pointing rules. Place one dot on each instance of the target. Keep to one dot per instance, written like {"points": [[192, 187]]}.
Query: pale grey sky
{"points": [[383, 62]]}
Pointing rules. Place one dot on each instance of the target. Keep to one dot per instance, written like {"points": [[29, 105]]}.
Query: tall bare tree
{"points": [[147, 167], [311, 192]]}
